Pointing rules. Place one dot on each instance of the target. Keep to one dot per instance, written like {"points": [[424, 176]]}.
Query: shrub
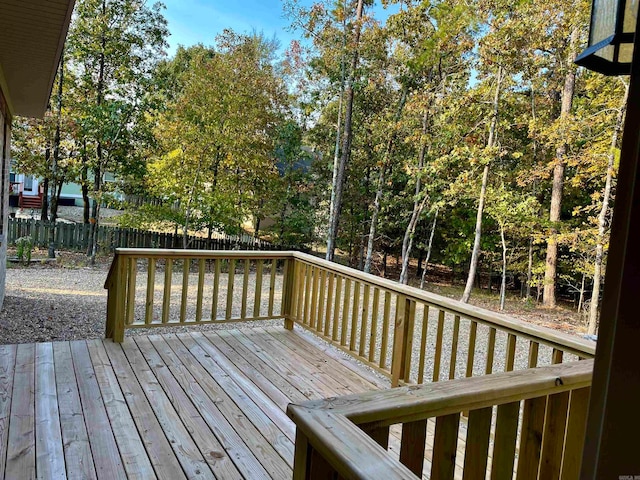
{"points": [[24, 248]]}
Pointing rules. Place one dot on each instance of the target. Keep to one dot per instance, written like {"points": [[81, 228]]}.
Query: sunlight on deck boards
{"points": [[191, 405]]}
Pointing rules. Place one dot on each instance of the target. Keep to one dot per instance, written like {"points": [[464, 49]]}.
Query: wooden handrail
{"points": [[551, 429], [417, 402], [566, 342]]}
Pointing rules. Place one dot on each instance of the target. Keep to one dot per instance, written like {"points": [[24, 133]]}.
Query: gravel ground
{"points": [[51, 302]]}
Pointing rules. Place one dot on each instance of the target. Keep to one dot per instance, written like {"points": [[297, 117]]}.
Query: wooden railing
{"points": [[403, 332], [413, 336], [157, 288], [531, 423]]}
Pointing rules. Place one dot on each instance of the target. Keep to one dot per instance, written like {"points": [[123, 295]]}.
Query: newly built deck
{"points": [[194, 405]]}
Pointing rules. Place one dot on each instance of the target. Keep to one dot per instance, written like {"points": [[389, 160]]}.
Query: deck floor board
{"points": [[186, 405]]}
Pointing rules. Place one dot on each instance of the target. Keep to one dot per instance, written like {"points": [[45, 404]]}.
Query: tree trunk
{"points": [[346, 143], [581, 297], [380, 190], [549, 296], [529, 268], [426, 260], [503, 284], [475, 254], [336, 151], [407, 242], [418, 206], [98, 170], [602, 219], [57, 182]]}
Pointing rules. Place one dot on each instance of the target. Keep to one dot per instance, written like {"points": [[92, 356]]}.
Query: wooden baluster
{"points": [[473, 331], [423, 342], [336, 310], [345, 312], [533, 354], [385, 330], [504, 443], [322, 285], [201, 268], [491, 348], [166, 294], [553, 438], [186, 265], [445, 443], [245, 288], [438, 352], [216, 285], [131, 289], [300, 281], [307, 293], [511, 352], [355, 314], [476, 450], [313, 313], [257, 297], [454, 347], [556, 356], [151, 283], [576, 423], [379, 434], [364, 321], [531, 438], [272, 286], [231, 277], [328, 309], [412, 446], [373, 335]]}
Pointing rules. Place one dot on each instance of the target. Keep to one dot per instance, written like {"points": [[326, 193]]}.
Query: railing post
{"points": [[402, 340], [116, 298], [289, 292]]}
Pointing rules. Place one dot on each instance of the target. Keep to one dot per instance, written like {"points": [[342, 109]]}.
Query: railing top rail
{"points": [[553, 338], [346, 447], [407, 404], [186, 253], [198, 254]]}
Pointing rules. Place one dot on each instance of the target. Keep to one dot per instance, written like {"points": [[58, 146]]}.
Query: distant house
{"points": [[32, 36]]}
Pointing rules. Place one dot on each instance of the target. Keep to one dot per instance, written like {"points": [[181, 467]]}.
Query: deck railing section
{"points": [[541, 412], [409, 335], [413, 336], [155, 288]]}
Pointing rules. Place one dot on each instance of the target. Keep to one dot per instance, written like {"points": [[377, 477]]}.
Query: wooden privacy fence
{"points": [[531, 423], [76, 236]]}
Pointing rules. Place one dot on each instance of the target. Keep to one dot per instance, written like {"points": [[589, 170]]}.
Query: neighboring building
{"points": [[32, 34]]}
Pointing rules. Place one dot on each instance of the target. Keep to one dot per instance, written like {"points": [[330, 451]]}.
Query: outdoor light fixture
{"points": [[613, 25]]}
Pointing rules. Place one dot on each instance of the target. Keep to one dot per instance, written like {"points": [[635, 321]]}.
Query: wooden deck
{"points": [[191, 405]]}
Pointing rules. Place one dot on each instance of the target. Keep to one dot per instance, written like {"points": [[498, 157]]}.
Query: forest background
{"points": [[457, 133]]}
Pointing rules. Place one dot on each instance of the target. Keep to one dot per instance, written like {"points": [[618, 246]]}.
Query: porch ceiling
{"points": [[32, 35]]}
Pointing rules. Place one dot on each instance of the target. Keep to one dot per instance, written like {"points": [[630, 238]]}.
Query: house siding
{"points": [[5, 143]]}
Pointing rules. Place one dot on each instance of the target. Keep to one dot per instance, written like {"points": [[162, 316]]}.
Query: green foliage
{"points": [[24, 249]]}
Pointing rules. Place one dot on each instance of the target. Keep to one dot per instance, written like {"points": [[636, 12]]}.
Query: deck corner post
{"points": [[301, 457], [402, 340], [289, 285], [116, 298]]}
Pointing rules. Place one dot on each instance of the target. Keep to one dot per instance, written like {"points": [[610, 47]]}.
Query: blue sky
{"points": [[199, 21]]}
